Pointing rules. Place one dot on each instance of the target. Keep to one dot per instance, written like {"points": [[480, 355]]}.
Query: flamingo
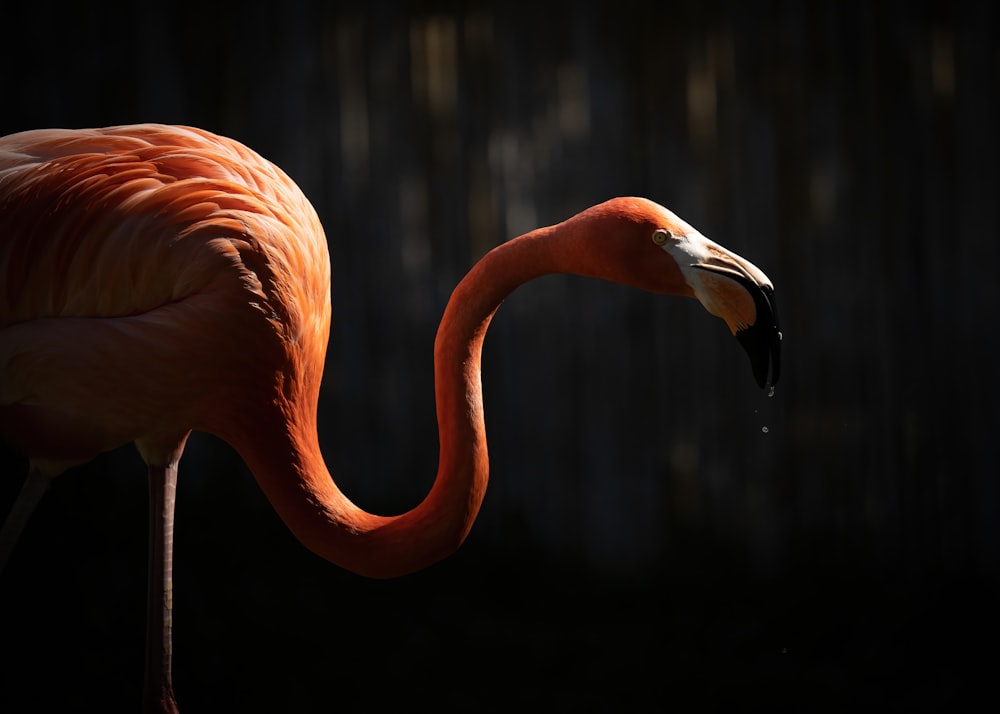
{"points": [[162, 279]]}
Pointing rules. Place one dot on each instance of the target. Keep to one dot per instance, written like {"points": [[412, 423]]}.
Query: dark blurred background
{"points": [[658, 532]]}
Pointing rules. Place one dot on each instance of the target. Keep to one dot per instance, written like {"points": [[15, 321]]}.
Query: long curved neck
{"points": [[294, 477]]}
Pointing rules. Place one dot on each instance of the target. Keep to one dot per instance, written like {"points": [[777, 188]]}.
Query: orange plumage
{"points": [[162, 279]]}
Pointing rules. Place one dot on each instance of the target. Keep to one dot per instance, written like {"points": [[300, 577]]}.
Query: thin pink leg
{"points": [[158, 690]]}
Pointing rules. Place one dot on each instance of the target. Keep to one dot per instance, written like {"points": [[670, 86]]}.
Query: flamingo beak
{"points": [[723, 281], [762, 339]]}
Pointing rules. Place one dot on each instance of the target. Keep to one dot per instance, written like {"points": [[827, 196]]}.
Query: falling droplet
{"points": [[770, 392], [764, 429]]}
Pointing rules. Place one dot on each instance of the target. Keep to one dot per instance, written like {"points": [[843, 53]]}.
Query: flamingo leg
{"points": [[158, 691], [31, 493]]}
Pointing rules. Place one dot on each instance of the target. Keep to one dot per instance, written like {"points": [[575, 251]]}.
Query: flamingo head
{"points": [[732, 288]]}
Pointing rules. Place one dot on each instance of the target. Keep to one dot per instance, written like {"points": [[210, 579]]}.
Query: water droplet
{"points": [[764, 429], [770, 392]]}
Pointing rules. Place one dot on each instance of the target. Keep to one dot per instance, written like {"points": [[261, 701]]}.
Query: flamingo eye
{"points": [[661, 236]]}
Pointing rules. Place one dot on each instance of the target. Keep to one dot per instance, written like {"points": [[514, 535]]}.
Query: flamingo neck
{"points": [[295, 479]]}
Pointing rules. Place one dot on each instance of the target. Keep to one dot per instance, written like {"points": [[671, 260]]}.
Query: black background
{"points": [[645, 543]]}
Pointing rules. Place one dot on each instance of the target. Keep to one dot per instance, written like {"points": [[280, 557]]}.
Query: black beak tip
{"points": [[763, 351], [762, 341]]}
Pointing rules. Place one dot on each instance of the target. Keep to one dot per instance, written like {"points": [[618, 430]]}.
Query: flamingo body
{"points": [[158, 280], [130, 246]]}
